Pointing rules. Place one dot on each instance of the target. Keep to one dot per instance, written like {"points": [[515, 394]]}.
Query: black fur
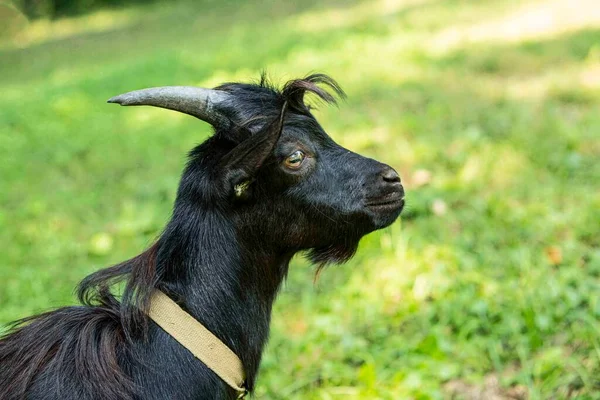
{"points": [[222, 257]]}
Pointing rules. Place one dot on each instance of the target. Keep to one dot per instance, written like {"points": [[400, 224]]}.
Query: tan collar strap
{"points": [[192, 335]]}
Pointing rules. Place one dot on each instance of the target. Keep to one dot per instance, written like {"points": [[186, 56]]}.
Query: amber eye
{"points": [[294, 160]]}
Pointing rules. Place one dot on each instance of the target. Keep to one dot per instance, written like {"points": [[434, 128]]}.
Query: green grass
{"points": [[493, 272]]}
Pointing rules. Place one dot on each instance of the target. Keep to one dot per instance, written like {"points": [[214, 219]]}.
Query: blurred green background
{"points": [[489, 285]]}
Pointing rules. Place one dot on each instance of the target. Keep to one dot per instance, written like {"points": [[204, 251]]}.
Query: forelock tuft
{"points": [[294, 91], [252, 105]]}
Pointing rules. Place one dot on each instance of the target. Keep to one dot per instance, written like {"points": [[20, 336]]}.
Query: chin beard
{"points": [[337, 253]]}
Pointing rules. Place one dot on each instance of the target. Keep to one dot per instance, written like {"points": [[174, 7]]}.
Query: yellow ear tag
{"points": [[240, 188]]}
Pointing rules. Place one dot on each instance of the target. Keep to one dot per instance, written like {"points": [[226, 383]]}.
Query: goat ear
{"points": [[241, 164]]}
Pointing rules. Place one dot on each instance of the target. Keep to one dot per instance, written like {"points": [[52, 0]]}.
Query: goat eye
{"points": [[294, 160]]}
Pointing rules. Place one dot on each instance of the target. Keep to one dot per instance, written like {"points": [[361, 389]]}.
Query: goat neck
{"points": [[224, 280]]}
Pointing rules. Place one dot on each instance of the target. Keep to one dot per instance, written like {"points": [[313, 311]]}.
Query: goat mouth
{"points": [[386, 204]]}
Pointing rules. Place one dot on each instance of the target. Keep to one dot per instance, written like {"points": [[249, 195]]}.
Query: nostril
{"points": [[390, 176]]}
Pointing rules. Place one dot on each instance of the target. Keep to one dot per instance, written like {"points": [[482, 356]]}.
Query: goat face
{"points": [[275, 172], [311, 193]]}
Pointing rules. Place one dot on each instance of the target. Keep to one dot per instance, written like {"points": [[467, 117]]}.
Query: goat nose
{"points": [[389, 175]]}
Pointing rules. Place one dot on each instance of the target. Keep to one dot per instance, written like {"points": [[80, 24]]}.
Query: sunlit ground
{"points": [[488, 286]]}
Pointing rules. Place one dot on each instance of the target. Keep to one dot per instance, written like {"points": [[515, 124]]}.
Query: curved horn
{"points": [[198, 102]]}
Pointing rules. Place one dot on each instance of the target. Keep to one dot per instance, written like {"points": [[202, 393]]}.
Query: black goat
{"points": [[268, 184]]}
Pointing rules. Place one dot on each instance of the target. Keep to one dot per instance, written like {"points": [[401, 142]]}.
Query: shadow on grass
{"points": [[166, 30]]}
